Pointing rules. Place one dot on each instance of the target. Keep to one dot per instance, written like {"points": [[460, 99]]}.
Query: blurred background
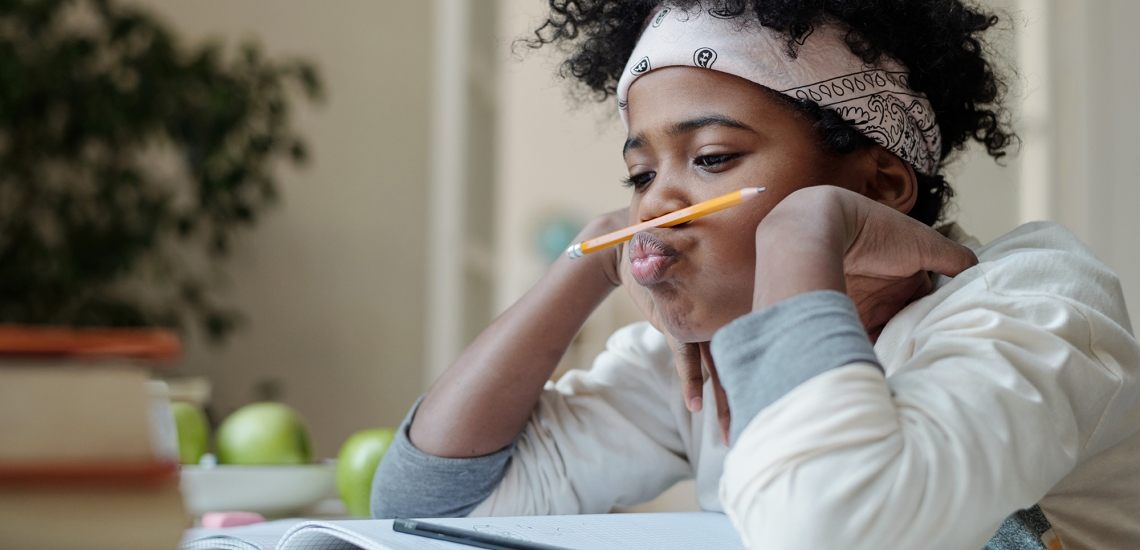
{"points": [[443, 172]]}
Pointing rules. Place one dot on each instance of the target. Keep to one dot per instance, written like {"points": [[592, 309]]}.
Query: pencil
{"points": [[466, 536], [668, 220]]}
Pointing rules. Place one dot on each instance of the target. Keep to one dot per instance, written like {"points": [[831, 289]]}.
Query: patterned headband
{"points": [[876, 100]]}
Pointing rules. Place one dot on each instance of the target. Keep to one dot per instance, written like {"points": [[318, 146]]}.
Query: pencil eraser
{"points": [[217, 520]]}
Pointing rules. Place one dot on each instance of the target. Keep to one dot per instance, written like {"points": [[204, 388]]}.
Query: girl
{"points": [[885, 385]]}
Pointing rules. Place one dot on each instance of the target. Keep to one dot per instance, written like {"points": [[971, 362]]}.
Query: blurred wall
{"points": [[332, 281], [1095, 78], [558, 158]]}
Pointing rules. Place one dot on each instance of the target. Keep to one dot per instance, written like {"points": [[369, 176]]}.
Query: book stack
{"points": [[85, 449]]}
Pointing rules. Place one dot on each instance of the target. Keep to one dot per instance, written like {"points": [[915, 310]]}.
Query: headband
{"points": [[875, 99]]}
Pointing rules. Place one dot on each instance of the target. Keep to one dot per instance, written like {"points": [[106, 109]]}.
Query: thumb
{"points": [[687, 358], [946, 257], [723, 413]]}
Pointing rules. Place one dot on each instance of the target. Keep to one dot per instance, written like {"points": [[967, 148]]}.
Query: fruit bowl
{"points": [[272, 491]]}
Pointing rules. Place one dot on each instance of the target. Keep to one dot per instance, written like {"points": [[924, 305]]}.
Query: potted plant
{"points": [[128, 162]]}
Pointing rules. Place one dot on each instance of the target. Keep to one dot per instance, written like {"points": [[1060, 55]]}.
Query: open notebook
{"points": [[691, 531]]}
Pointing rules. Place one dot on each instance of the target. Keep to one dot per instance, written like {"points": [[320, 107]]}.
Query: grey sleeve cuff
{"points": [[765, 354], [410, 483]]}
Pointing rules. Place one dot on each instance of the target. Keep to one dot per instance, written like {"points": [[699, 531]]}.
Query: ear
{"points": [[890, 180]]}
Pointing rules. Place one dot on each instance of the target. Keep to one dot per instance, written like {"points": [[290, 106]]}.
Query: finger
{"points": [[944, 256], [922, 287], [879, 305], [688, 360], [723, 413], [615, 271]]}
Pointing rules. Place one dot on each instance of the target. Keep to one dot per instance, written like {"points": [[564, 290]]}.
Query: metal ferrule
{"points": [[575, 251]]}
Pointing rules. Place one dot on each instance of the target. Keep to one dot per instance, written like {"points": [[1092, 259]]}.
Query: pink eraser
{"points": [[217, 520]]}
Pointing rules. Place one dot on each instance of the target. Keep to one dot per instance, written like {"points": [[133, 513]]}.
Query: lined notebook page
{"points": [[690, 531], [261, 536]]}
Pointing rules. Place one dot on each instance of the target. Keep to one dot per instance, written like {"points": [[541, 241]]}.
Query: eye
{"points": [[637, 181], [714, 161]]}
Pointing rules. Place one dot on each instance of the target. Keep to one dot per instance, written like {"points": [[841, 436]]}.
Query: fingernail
{"points": [[695, 404]]}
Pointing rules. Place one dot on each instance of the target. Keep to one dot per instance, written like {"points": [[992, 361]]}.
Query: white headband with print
{"points": [[876, 100]]}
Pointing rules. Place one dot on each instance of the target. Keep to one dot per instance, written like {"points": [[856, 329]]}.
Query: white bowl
{"points": [[268, 490]]}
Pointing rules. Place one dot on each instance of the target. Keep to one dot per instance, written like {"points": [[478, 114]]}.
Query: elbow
{"points": [[387, 500], [403, 490], [409, 483], [824, 505], [780, 519]]}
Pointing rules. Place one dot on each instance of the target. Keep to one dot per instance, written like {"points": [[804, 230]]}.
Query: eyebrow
{"points": [[687, 126]]}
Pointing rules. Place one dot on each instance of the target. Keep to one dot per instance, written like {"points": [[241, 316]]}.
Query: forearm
{"points": [[483, 401]]}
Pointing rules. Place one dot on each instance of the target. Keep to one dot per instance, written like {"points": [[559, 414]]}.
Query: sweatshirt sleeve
{"points": [[413, 484], [989, 412], [768, 353]]}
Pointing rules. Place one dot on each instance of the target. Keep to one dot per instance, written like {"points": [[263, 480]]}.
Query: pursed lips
{"points": [[649, 258]]}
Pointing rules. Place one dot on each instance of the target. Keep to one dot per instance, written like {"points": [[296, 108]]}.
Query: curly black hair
{"points": [[939, 41]]}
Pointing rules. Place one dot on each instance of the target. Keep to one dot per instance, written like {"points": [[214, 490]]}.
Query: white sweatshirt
{"points": [[1015, 383]]}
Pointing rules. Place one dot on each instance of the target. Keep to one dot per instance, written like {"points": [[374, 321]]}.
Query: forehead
{"points": [[666, 96]]}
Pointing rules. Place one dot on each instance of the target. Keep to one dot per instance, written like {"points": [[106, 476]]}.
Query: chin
{"points": [[685, 327], [685, 331]]}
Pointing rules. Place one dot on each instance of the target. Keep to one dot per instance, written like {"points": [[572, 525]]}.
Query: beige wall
{"points": [[332, 281], [1095, 75], [556, 158]]}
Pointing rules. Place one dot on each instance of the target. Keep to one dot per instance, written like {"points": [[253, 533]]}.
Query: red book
{"points": [[140, 344], [139, 473]]}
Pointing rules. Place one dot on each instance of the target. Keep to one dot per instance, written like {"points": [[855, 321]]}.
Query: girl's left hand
{"points": [[828, 238]]}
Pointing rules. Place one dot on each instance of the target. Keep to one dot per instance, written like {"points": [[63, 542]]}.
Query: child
{"points": [[868, 404]]}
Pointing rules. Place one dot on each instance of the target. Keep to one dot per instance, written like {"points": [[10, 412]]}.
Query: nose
{"points": [[664, 195]]}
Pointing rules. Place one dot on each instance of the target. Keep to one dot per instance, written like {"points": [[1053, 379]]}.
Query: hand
{"points": [[827, 238], [611, 258]]}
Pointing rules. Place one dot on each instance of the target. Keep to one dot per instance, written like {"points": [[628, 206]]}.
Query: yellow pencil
{"points": [[668, 220]]}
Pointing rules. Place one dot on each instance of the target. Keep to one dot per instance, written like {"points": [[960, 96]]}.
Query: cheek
{"points": [[726, 273], [634, 205], [718, 286], [730, 240], [786, 170]]}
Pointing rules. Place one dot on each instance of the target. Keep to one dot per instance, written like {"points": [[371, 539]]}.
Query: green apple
{"points": [[356, 464], [263, 433], [193, 431]]}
